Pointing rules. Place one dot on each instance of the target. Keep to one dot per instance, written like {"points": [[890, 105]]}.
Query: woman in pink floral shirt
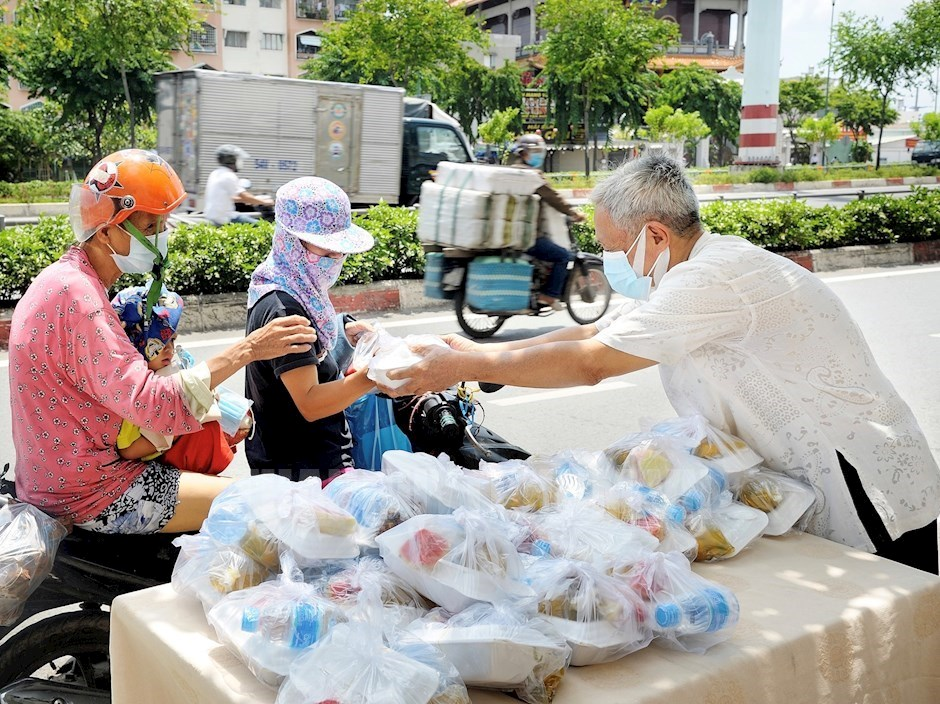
{"points": [[74, 375]]}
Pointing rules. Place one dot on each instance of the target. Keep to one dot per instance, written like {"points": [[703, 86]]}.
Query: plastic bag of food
{"points": [[578, 474], [432, 484], [688, 612], [268, 514], [785, 500], [500, 646], [585, 531], [354, 665], [391, 353], [724, 450], [268, 626], [516, 485], [369, 585], [724, 531], [661, 463], [28, 542], [709, 492], [455, 560], [373, 501], [600, 616], [208, 569]]}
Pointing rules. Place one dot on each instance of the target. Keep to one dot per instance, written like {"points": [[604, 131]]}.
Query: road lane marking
{"points": [[558, 393], [884, 274]]}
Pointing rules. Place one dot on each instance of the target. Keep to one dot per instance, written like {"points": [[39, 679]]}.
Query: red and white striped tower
{"points": [[759, 142]]}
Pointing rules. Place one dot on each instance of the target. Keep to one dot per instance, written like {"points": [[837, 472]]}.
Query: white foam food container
{"points": [[797, 498], [596, 642]]}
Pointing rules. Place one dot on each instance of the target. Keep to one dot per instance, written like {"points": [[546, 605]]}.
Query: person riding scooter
{"points": [[224, 189], [529, 152]]}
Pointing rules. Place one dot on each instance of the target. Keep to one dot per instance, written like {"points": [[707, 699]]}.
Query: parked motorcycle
{"points": [[57, 651], [586, 294]]}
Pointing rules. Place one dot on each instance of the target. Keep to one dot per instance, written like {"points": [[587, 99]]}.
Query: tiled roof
{"points": [[715, 63]]}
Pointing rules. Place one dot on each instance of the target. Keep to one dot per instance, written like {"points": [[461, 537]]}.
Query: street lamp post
{"points": [[832, 17]]}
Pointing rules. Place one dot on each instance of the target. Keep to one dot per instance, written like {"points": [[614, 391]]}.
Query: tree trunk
{"points": [[881, 130], [587, 133], [130, 108]]}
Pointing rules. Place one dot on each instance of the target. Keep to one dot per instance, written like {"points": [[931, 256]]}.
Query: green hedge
{"points": [[35, 191], [206, 259]]}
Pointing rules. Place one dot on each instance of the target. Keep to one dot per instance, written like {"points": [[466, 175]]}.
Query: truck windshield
{"points": [[441, 140]]}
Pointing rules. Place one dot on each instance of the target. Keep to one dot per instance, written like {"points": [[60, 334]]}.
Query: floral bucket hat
{"points": [[317, 211]]}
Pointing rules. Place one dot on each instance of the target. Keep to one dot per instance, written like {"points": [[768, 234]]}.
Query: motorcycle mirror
{"points": [[488, 388]]}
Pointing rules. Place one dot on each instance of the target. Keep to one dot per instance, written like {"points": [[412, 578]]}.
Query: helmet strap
{"points": [[159, 263]]}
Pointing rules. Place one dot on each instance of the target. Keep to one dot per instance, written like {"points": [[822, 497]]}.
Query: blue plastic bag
{"points": [[372, 424]]}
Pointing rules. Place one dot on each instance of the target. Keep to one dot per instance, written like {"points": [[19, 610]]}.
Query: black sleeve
{"points": [[272, 306]]}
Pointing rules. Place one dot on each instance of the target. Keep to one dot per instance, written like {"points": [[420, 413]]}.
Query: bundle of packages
{"points": [[500, 646], [723, 450], [785, 500], [584, 531], [658, 462], [369, 585], [516, 485], [373, 500], [208, 569], [355, 665], [489, 179], [638, 505], [578, 474], [600, 616], [28, 543], [688, 611], [470, 219], [268, 626], [267, 515], [456, 560], [433, 484]]}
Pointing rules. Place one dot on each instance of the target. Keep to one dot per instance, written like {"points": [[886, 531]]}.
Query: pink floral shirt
{"points": [[74, 376]]}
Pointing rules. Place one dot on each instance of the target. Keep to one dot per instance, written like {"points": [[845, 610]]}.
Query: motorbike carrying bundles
{"points": [[28, 542]]}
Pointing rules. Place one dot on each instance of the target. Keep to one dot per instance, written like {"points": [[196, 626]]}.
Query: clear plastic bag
{"points": [[28, 542], [785, 500], [688, 612], [354, 665], [208, 569], [578, 474], [500, 646], [724, 531], [600, 616], [385, 353], [373, 501], [723, 450], [585, 531], [268, 626], [661, 463], [709, 492], [433, 484], [455, 560], [515, 485]]}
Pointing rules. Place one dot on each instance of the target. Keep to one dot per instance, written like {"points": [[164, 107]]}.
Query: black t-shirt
{"points": [[284, 442]]}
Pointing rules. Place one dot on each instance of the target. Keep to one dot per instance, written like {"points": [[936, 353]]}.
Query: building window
{"points": [[497, 25], [272, 42], [343, 9], [234, 2], [308, 44], [34, 105], [203, 41], [313, 10], [273, 4], [238, 40], [522, 24]]}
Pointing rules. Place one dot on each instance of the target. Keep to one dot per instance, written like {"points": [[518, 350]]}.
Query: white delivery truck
{"points": [[354, 135]]}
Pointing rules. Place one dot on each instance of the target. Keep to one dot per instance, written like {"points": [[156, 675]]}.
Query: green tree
{"points": [[820, 130], [96, 58], [498, 130], [800, 98], [411, 44], [886, 59], [597, 54], [472, 92], [716, 100], [929, 128], [859, 110], [665, 124]]}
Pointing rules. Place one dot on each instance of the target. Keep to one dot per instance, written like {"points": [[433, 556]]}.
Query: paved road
{"points": [[896, 309]]}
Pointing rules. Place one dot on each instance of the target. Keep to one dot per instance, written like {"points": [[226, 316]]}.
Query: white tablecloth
{"points": [[819, 623]]}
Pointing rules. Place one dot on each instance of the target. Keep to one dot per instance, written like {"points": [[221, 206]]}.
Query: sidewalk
{"points": [[227, 311]]}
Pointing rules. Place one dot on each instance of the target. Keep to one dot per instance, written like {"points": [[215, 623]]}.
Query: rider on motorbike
{"points": [[529, 152], [75, 375], [224, 189]]}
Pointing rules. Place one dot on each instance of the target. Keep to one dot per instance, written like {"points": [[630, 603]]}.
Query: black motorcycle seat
{"points": [[146, 557]]}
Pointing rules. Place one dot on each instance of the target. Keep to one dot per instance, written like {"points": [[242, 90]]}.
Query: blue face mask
{"points": [[629, 280], [536, 160]]}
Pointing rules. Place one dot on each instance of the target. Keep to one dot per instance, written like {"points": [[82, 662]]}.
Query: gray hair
{"points": [[653, 187]]}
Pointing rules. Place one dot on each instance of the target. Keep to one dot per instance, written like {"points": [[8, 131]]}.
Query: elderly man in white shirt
{"points": [[756, 344]]}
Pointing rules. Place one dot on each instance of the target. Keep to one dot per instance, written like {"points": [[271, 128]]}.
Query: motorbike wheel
{"points": [[476, 325], [69, 647], [588, 293]]}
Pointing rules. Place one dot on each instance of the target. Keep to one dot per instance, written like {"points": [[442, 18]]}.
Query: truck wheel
{"points": [[588, 293], [477, 325], [70, 647]]}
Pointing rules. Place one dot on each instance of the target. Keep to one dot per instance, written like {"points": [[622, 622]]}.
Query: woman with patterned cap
{"points": [[299, 399]]}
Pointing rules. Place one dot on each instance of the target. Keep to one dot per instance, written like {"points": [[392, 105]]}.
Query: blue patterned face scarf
{"points": [[306, 277]]}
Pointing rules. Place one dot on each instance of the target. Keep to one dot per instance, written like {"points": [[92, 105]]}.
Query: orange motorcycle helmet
{"points": [[122, 183]]}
